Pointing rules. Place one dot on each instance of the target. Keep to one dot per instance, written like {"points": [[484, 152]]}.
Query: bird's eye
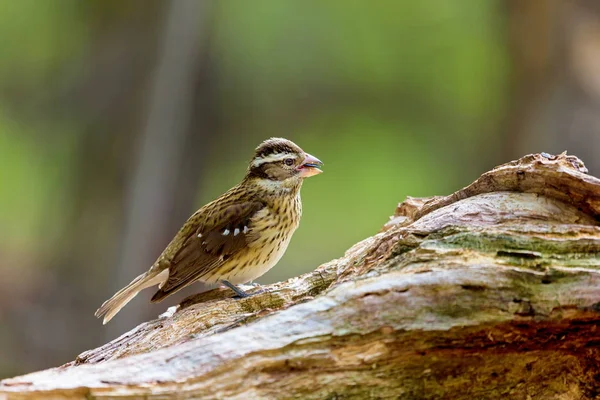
{"points": [[289, 161]]}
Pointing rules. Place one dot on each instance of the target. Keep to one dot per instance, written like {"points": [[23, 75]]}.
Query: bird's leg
{"points": [[236, 289]]}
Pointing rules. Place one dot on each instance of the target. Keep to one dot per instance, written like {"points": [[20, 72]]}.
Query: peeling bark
{"points": [[490, 292]]}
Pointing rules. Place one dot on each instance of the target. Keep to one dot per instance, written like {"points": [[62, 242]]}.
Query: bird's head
{"points": [[281, 162]]}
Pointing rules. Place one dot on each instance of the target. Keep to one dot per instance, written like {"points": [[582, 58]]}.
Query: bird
{"points": [[237, 237]]}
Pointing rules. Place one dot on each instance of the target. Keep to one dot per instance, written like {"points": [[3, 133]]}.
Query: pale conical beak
{"points": [[310, 166]]}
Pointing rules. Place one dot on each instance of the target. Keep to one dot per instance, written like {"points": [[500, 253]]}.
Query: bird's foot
{"points": [[240, 294]]}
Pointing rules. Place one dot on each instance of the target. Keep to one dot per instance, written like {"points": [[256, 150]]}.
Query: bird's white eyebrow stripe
{"points": [[271, 158]]}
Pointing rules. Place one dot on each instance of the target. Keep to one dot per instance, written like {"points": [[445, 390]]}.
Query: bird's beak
{"points": [[310, 166]]}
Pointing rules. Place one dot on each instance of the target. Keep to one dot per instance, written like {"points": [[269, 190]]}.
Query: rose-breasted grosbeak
{"points": [[237, 237]]}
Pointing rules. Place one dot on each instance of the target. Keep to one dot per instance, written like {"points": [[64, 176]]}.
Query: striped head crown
{"points": [[279, 159]]}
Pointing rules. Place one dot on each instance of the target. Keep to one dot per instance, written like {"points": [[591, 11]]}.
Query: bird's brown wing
{"points": [[209, 246]]}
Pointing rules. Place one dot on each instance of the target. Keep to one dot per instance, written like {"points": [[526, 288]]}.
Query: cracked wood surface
{"points": [[490, 292]]}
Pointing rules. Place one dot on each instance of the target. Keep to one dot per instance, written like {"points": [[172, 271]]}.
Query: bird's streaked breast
{"points": [[270, 233]]}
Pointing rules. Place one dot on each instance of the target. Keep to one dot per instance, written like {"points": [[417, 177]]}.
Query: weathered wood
{"points": [[491, 292]]}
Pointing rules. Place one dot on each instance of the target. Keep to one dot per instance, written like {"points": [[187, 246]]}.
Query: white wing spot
{"points": [[199, 235], [236, 232], [226, 232], [246, 229]]}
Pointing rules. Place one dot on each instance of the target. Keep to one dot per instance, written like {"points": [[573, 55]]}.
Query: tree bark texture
{"points": [[492, 292]]}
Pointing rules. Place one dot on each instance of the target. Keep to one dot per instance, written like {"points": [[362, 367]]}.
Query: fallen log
{"points": [[490, 292]]}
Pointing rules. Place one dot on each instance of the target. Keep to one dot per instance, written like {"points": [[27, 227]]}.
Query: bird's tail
{"points": [[112, 306]]}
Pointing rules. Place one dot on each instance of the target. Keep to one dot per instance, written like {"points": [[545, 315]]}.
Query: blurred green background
{"points": [[119, 118]]}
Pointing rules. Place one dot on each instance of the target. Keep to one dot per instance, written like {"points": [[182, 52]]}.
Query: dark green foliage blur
{"points": [[394, 96]]}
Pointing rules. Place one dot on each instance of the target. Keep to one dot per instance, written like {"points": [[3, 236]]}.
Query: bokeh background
{"points": [[118, 118]]}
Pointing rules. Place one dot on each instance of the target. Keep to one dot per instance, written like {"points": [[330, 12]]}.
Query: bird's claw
{"points": [[240, 294]]}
